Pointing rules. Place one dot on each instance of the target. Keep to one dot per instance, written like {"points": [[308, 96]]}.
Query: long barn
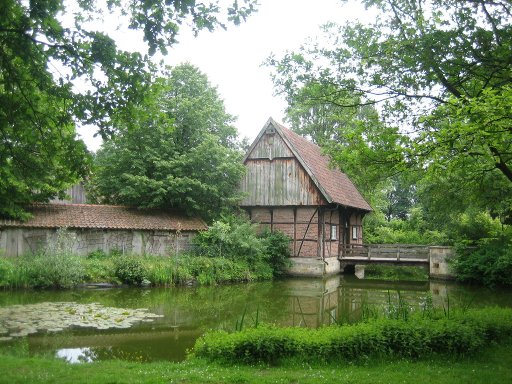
{"points": [[289, 186]]}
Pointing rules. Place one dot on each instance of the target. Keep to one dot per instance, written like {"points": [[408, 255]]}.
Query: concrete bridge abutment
{"points": [[436, 258]]}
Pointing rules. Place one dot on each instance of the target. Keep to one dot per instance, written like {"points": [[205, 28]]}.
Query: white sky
{"points": [[233, 59]]}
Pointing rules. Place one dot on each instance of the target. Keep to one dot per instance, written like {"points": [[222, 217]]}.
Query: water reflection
{"points": [[187, 312], [76, 355]]}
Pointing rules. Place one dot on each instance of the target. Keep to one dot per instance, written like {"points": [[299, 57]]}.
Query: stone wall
{"points": [[21, 241], [440, 262], [309, 266]]}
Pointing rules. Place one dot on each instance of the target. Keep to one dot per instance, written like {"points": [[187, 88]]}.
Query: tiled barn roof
{"points": [[334, 184], [104, 217]]}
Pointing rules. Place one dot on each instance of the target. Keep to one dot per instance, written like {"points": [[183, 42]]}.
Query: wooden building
{"points": [[289, 186]]}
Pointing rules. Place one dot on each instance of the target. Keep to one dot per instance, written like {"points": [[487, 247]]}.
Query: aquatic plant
{"points": [[22, 320]]}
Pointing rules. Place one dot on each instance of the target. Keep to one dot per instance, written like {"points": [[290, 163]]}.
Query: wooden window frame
{"points": [[334, 232]]}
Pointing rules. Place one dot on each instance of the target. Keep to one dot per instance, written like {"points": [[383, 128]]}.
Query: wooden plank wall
{"points": [[75, 195], [275, 178]]}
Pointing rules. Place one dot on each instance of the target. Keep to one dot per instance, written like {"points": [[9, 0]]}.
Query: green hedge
{"points": [[459, 334]]}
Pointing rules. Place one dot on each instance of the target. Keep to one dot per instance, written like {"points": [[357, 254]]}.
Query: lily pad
{"points": [[21, 320]]}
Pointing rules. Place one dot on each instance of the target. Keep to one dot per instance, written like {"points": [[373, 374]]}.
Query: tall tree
{"points": [[45, 47], [353, 136], [177, 149], [438, 70]]}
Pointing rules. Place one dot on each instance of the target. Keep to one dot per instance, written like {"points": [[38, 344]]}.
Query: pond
{"points": [[150, 324]]}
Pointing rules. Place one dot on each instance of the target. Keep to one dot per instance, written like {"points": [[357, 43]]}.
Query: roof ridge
{"points": [[332, 182]]}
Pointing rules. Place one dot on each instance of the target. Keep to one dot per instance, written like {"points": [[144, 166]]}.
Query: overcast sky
{"points": [[233, 59]]}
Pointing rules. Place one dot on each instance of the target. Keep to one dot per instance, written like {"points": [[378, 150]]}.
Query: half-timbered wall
{"points": [[281, 195], [315, 231]]}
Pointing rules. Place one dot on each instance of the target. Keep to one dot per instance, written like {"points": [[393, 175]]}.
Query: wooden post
{"points": [[294, 231], [340, 232], [321, 231]]}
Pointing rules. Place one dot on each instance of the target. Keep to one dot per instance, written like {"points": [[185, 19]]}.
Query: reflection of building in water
{"points": [[313, 303]]}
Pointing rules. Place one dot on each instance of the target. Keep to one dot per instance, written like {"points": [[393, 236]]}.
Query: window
{"points": [[334, 232], [354, 233]]}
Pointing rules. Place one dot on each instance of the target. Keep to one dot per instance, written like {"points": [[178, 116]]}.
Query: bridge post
{"points": [[440, 262]]}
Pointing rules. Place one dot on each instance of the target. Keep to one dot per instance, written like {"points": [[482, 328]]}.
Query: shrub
{"points": [[99, 270], [6, 268], [232, 237], [490, 263], [55, 266], [130, 269], [236, 238], [387, 272], [277, 248], [414, 230], [98, 254], [459, 334]]}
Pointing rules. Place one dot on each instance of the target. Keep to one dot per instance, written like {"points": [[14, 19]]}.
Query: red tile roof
{"points": [[104, 217], [334, 184]]}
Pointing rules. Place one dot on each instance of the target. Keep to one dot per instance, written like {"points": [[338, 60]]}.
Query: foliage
{"points": [[30, 271], [438, 73], [490, 263], [277, 246], [414, 230], [176, 149], [54, 266], [5, 271], [393, 273], [473, 226], [130, 269], [233, 237], [217, 270], [462, 334], [350, 133], [46, 49], [236, 238]]}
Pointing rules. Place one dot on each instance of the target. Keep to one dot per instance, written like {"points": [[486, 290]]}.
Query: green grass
{"points": [[418, 336], [67, 270], [493, 365], [395, 273]]}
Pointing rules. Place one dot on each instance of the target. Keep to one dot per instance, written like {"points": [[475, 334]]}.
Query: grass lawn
{"points": [[493, 365]]}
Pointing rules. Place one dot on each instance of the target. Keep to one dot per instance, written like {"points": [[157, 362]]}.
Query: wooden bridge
{"points": [[398, 254]]}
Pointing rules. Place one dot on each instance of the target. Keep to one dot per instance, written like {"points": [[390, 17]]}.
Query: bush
{"points": [[460, 334], [490, 263], [277, 248], [6, 268], [388, 272], [55, 266], [207, 270], [236, 238], [414, 230], [130, 269], [99, 270], [232, 237]]}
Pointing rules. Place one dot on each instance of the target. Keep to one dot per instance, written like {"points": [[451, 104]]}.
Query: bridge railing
{"points": [[406, 253]]}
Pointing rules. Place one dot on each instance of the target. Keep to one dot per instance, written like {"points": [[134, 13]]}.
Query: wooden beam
{"points": [[294, 231], [321, 233]]}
